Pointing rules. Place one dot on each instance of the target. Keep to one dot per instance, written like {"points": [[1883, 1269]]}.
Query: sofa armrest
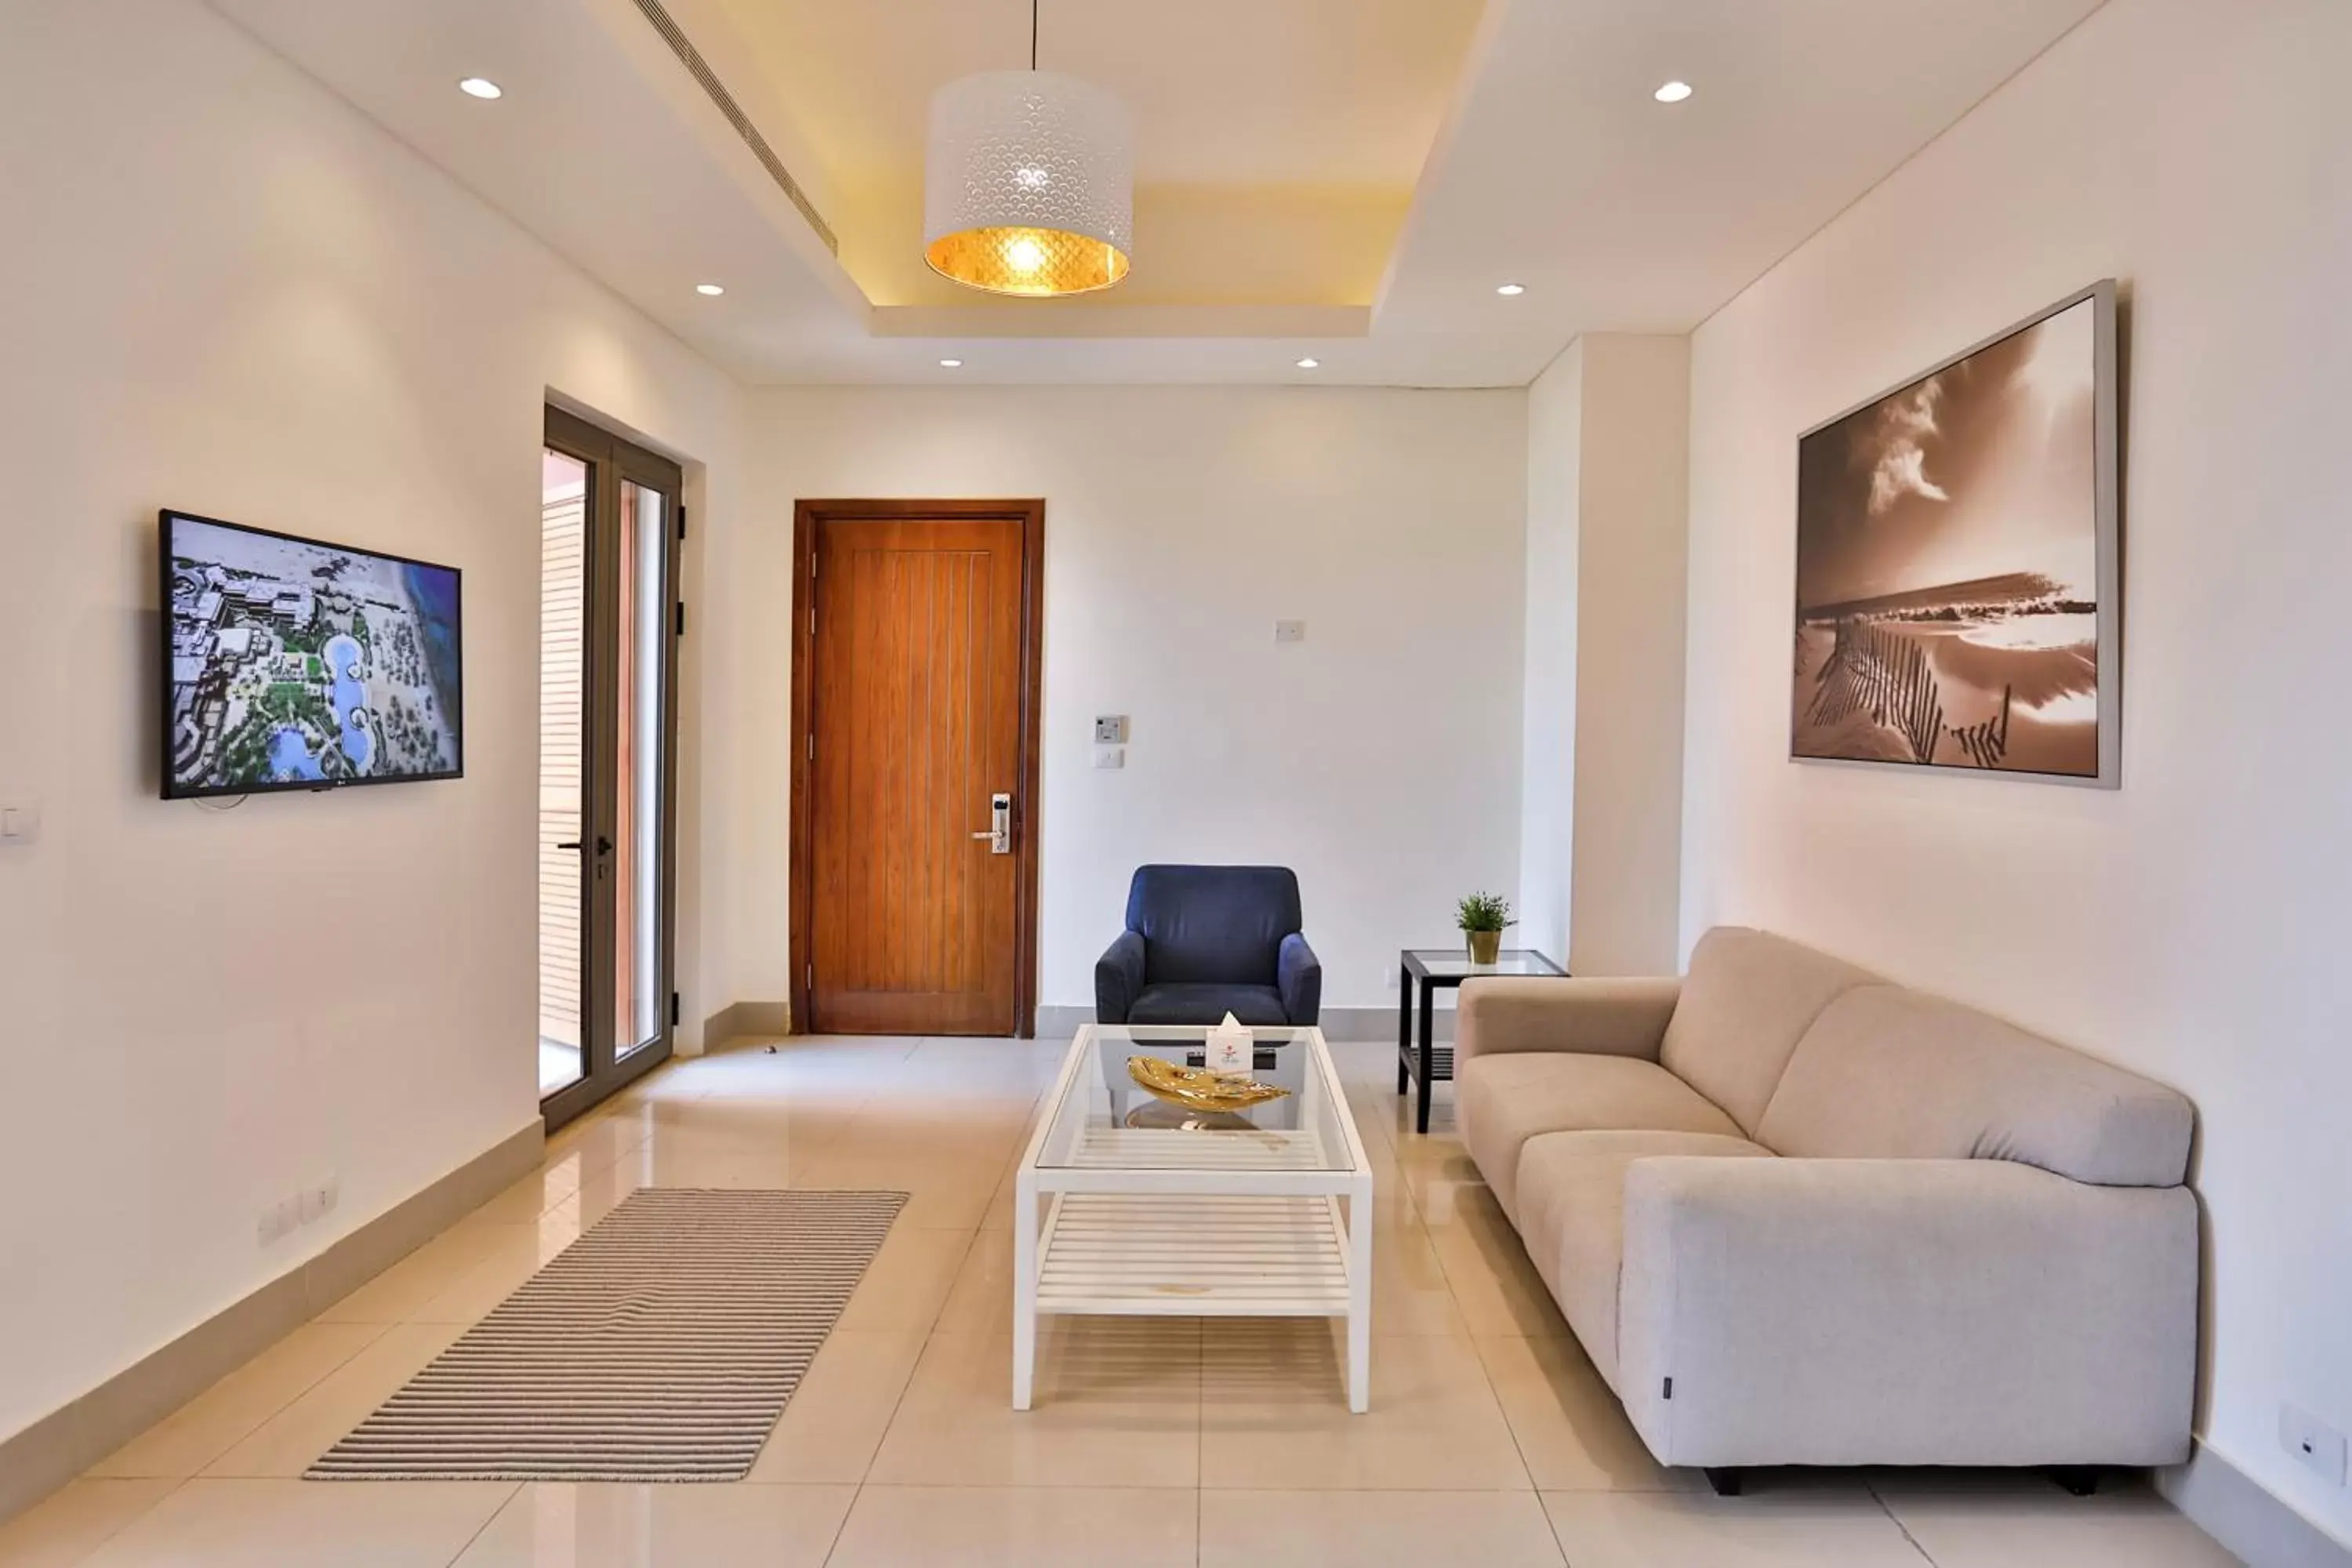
{"points": [[1905, 1312], [1612, 1017], [1299, 974], [1118, 978]]}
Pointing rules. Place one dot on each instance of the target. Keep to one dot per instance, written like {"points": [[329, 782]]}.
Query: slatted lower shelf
{"points": [[1194, 1257]]}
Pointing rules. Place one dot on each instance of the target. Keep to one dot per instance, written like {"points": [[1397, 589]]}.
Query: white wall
{"points": [[223, 290], [1380, 758], [1629, 655], [2192, 924], [1600, 829], [1548, 766]]}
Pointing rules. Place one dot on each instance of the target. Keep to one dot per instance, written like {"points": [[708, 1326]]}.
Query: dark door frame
{"points": [[612, 460], [807, 517]]}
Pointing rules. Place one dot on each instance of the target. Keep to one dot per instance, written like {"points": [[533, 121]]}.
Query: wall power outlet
{"points": [[291, 1213], [318, 1197], [2318, 1445]]}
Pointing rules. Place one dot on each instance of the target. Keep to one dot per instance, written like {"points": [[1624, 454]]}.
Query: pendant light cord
{"points": [[1032, 35]]}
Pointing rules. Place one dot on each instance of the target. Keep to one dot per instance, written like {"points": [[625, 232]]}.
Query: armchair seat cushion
{"points": [[1573, 1219], [1201, 1002], [1501, 1101]]}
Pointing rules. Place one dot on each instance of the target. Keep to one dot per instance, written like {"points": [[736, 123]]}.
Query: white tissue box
{"points": [[1229, 1049]]}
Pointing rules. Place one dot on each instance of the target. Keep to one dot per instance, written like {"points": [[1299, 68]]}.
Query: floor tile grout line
{"points": [[491, 1518], [1896, 1520], [1518, 1448], [898, 1404], [856, 1494], [379, 1330], [167, 1494]]}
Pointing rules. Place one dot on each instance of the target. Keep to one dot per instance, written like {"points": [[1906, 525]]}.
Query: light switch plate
{"points": [[1290, 631], [1108, 757]]}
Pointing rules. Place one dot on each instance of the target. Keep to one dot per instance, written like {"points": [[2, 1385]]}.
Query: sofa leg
{"points": [[1726, 1481], [2076, 1480]]}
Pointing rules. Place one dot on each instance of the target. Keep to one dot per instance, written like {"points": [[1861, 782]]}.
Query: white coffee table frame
{"points": [[1157, 1222]]}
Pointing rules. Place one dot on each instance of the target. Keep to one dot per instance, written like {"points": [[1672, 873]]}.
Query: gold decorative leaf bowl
{"points": [[1197, 1088]]}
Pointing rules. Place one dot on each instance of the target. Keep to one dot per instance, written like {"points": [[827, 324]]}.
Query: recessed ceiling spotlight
{"points": [[1673, 92], [1510, 291], [1308, 364], [480, 87], [950, 364], [713, 290]]}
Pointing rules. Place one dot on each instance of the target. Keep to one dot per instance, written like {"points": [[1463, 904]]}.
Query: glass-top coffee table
{"points": [[1435, 969], [1127, 1205]]}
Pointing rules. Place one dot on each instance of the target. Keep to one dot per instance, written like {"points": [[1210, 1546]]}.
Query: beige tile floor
{"points": [[1490, 1440]]}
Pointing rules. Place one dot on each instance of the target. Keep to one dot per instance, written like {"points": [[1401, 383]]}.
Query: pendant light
{"points": [[1029, 183]]}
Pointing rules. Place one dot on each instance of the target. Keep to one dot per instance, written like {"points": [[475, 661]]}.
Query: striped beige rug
{"points": [[661, 1346]]}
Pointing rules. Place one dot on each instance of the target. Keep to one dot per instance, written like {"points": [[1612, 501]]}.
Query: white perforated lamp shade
{"points": [[1029, 184]]}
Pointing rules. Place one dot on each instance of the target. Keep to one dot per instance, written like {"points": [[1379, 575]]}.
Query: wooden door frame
{"points": [[808, 516]]}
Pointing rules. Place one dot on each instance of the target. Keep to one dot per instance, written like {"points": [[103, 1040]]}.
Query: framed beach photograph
{"points": [[1958, 597]]}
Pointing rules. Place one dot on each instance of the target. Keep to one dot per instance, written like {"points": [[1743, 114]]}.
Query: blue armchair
{"points": [[1204, 940]]}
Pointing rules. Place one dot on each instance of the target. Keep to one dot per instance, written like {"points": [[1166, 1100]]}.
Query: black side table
{"points": [[1435, 968]]}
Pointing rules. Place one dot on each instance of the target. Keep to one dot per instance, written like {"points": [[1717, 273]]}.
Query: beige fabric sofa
{"points": [[1799, 1215]]}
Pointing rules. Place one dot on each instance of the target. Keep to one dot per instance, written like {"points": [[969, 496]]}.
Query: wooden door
{"points": [[920, 708]]}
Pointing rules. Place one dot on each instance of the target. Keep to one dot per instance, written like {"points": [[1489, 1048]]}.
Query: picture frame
{"points": [[1946, 530]]}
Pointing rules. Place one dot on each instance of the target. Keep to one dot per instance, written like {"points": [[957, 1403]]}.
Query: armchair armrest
{"points": [[1905, 1311], [1610, 1017], [1118, 978], [1298, 975]]}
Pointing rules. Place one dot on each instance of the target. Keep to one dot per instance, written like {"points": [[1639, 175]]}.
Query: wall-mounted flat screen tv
{"points": [[292, 664]]}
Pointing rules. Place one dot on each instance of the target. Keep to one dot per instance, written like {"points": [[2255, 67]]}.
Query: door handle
{"points": [[1000, 819], [603, 844]]}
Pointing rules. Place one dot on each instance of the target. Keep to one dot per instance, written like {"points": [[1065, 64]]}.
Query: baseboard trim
{"points": [[1062, 1023], [2252, 1521], [1380, 1024], [61, 1444], [1336, 1023], [740, 1018]]}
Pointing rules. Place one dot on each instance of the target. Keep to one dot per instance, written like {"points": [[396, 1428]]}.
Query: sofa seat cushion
{"points": [[1202, 1003], [1573, 1219], [1502, 1101]]}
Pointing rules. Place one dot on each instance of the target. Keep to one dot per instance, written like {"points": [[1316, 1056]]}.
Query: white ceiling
{"points": [[1345, 179], [1232, 91]]}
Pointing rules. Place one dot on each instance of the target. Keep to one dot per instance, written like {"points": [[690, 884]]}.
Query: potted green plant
{"points": [[1483, 917]]}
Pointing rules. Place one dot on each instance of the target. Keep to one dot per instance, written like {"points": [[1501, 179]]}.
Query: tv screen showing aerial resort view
{"points": [[290, 664]]}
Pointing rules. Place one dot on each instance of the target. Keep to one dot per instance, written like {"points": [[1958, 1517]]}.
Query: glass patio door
{"points": [[610, 530]]}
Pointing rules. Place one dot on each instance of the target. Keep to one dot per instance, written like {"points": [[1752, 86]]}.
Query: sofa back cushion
{"points": [[1888, 1073], [1749, 997], [1212, 924]]}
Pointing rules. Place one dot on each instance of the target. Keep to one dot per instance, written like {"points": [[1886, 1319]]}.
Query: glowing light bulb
{"points": [[1024, 255]]}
